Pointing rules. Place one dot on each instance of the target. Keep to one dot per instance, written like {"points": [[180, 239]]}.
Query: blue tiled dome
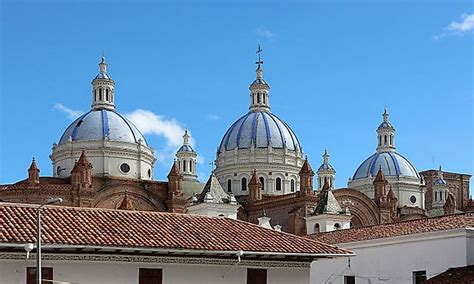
{"points": [[97, 125], [325, 167], [186, 148], [440, 181], [392, 164], [261, 129]]}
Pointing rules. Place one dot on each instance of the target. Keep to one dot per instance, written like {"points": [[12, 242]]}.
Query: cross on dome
{"points": [[259, 97]]}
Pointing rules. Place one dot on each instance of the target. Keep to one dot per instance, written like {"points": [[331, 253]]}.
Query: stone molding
{"points": [[157, 259]]}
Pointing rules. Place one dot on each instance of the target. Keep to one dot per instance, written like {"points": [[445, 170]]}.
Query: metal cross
{"points": [[259, 52]]}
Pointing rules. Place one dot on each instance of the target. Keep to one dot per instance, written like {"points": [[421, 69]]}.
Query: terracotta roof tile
{"points": [[418, 226], [120, 228], [454, 275]]}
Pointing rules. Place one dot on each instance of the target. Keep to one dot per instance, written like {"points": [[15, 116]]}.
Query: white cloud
{"points": [[465, 25], [462, 27], [71, 114], [170, 129], [213, 116], [265, 33], [151, 123]]}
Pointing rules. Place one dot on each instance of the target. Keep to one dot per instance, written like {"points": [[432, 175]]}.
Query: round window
{"points": [[412, 199], [125, 168]]}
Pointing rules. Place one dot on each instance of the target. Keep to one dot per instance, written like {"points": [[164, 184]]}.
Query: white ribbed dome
{"points": [[97, 125], [259, 129]]}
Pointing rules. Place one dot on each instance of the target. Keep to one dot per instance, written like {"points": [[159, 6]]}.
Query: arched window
{"points": [[253, 99], [100, 94], [191, 166], [258, 98], [262, 181], [264, 98], [292, 185], [316, 228], [244, 184], [278, 183], [95, 95], [184, 168], [229, 185], [107, 94], [380, 140], [337, 226], [391, 139], [385, 139]]}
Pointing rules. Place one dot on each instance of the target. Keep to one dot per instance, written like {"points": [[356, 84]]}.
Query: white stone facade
{"points": [[406, 189], [103, 269], [108, 158], [327, 223], [393, 260], [271, 164]]}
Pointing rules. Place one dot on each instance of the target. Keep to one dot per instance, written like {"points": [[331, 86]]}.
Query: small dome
{"points": [[385, 124], [97, 125], [326, 167], [440, 181], [186, 148], [103, 76], [260, 129], [391, 163]]}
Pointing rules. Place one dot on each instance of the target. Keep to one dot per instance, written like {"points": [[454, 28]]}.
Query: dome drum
{"points": [[108, 158], [276, 180]]}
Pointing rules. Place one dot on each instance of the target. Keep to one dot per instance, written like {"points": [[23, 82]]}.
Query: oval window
{"points": [[412, 199], [125, 168]]}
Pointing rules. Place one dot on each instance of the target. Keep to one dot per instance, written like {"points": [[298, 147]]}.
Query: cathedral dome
{"points": [[391, 163], [101, 124], [259, 129]]}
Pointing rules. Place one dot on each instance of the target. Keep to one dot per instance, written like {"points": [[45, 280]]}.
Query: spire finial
{"points": [[259, 52], [385, 115], [186, 137], [326, 157], [440, 173], [103, 65], [259, 62]]}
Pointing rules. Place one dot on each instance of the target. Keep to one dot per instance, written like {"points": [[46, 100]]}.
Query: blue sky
{"points": [[332, 65]]}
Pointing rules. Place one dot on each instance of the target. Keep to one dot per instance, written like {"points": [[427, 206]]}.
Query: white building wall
{"points": [[14, 272], [393, 260]]}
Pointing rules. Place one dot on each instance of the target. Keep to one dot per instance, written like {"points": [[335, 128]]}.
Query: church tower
{"points": [[186, 158], [326, 173], [385, 135], [103, 96], [440, 191], [259, 89]]}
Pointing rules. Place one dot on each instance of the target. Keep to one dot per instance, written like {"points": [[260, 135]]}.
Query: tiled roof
{"points": [[215, 190], [448, 222], [454, 275], [74, 226]]}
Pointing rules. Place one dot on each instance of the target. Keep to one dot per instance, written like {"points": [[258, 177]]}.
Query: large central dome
{"points": [[259, 129], [114, 146], [97, 125], [259, 141]]}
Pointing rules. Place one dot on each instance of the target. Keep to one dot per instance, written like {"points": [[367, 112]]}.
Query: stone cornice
{"points": [[84, 257]]}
